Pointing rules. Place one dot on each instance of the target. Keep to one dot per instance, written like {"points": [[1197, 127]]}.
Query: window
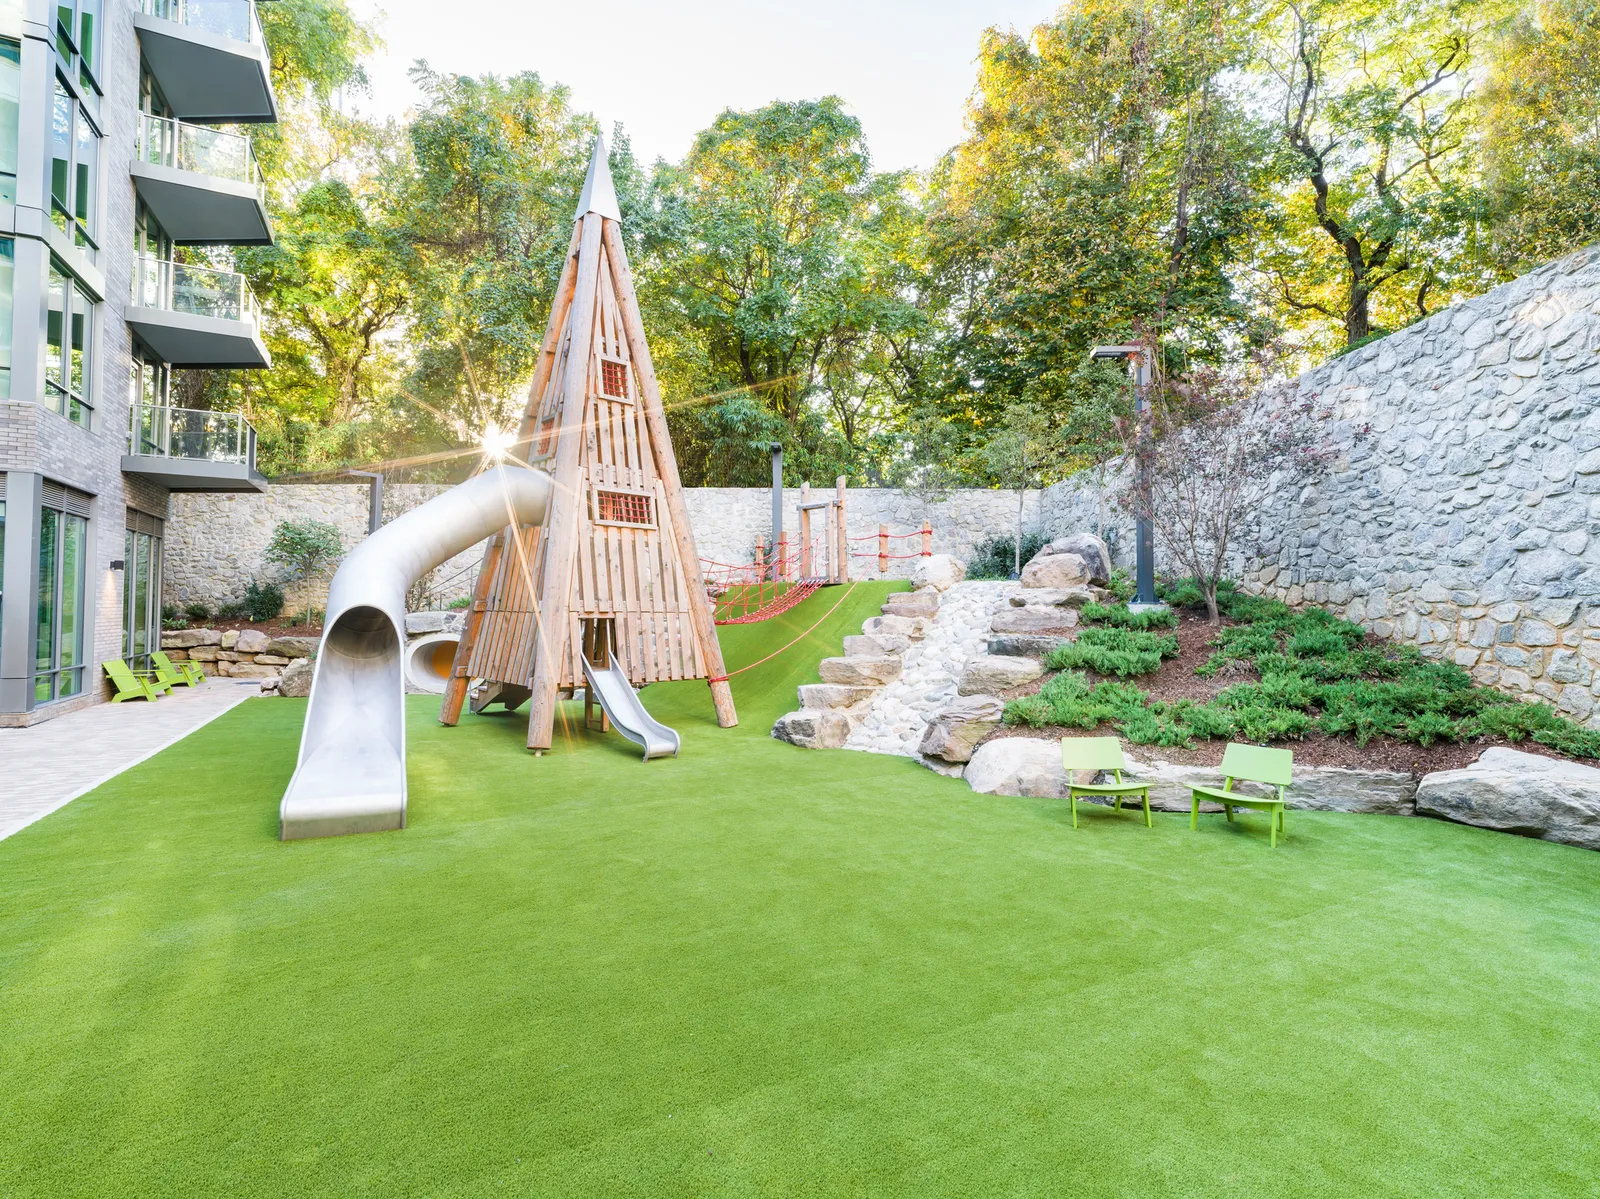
{"points": [[148, 387], [614, 378], [77, 40], [623, 508], [63, 547], [67, 350], [141, 607], [74, 155], [8, 272], [10, 109]]}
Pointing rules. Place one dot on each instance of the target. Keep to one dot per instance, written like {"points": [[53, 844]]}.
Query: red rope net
{"points": [[743, 593]]}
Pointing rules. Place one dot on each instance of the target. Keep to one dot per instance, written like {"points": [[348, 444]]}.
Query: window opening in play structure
{"points": [[613, 379], [624, 508]]}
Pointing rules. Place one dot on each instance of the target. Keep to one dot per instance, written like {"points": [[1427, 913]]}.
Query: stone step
{"points": [[813, 728], [860, 671], [1025, 645], [911, 605], [874, 644], [833, 695], [1034, 620], [990, 673], [903, 626]]}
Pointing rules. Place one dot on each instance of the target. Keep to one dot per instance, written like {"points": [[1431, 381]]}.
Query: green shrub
{"points": [[232, 610], [197, 612], [1427, 727], [1120, 584], [1118, 651], [172, 617], [1565, 737], [1186, 593], [1121, 618], [262, 601], [994, 559], [456, 605]]}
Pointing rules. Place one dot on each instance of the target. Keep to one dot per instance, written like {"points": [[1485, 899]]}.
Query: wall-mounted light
{"points": [[118, 564]]}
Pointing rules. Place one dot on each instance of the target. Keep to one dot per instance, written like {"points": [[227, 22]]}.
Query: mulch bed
{"points": [[279, 626], [1177, 680]]}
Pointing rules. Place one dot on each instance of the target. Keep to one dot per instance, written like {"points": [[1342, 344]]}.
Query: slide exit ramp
{"points": [[609, 685], [351, 773]]}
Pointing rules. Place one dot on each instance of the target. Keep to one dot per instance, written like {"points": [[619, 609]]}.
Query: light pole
{"points": [[1144, 569], [776, 448]]}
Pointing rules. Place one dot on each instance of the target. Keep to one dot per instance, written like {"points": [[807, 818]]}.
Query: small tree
{"points": [[1022, 453], [304, 549], [1219, 449]]}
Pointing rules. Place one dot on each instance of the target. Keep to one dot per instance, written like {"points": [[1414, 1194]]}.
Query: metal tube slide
{"points": [[351, 773], [610, 685]]}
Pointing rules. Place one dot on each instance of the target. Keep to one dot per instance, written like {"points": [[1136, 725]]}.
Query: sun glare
{"points": [[497, 442]]}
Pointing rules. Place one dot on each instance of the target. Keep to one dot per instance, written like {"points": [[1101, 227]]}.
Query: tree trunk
{"points": [[1357, 323], [1209, 587]]}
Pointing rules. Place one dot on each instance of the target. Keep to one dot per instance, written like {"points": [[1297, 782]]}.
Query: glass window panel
{"points": [[140, 565], [8, 272], [60, 154], [84, 192], [78, 349], [74, 539], [89, 32], [45, 643], [127, 597], [55, 328], [10, 111]]}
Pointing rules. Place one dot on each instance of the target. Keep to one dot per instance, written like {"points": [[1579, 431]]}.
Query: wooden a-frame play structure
{"points": [[612, 575]]}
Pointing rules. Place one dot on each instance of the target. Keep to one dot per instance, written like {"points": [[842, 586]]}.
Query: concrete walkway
{"points": [[49, 765]]}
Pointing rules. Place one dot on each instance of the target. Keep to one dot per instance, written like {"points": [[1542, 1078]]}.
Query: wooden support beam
{"points": [[549, 351], [805, 532], [455, 688], [843, 558], [700, 616], [883, 549]]}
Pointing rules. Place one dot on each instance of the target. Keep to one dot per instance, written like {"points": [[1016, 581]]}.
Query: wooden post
{"points": [[549, 351], [883, 549], [761, 557], [561, 543], [455, 689], [806, 571], [781, 566], [843, 559], [700, 617], [927, 539]]}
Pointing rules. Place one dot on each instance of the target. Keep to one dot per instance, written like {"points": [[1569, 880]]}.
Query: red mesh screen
{"points": [[614, 378], [623, 507]]}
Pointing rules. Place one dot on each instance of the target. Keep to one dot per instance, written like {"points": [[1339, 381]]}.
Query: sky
{"points": [[665, 70]]}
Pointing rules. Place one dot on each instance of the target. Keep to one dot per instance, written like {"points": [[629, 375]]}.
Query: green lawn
{"points": [[756, 970]]}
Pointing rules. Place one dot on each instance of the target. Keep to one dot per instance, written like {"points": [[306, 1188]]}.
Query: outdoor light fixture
{"points": [[118, 564], [1144, 571]]}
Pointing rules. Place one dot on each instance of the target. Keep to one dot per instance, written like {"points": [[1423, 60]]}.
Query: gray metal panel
{"points": [[206, 77], [180, 339], [202, 210], [195, 474]]}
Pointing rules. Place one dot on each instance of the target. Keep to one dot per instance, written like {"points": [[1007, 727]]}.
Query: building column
{"points": [[19, 612]]}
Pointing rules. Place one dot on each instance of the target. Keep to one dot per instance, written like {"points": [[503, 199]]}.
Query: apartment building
{"points": [[123, 142]]}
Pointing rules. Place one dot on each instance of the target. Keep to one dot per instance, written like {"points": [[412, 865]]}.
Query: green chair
{"points": [[1099, 753], [133, 684], [173, 673], [1251, 764]]}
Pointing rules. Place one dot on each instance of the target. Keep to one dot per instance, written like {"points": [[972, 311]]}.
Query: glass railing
{"points": [[196, 290], [228, 18], [156, 431], [164, 142]]}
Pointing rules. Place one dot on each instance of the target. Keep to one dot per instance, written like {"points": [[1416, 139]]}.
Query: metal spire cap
{"points": [[599, 193]]}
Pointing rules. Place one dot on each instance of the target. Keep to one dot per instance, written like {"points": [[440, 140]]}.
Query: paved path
{"points": [[49, 765]]}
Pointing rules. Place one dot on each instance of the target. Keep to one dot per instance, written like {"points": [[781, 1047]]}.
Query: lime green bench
{"points": [[129, 683], [173, 673], [1099, 753], [1250, 764]]}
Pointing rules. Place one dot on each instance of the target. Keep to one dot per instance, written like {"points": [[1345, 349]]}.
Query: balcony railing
{"points": [[164, 142], [228, 18], [156, 431], [195, 290]]}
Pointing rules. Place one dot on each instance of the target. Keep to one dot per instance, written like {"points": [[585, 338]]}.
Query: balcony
{"points": [[209, 58], [203, 185], [195, 316], [189, 450]]}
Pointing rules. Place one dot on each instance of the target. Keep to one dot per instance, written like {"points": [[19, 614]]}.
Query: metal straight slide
{"points": [[609, 685], [351, 773]]}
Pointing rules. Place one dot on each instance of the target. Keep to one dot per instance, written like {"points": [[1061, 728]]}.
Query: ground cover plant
{"points": [[1114, 650], [1314, 672], [760, 970]]}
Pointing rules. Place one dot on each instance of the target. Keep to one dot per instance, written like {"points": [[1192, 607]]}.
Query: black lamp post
{"points": [[1144, 571], [777, 506]]}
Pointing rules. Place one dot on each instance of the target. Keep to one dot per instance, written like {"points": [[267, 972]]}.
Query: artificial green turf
{"points": [[757, 970]]}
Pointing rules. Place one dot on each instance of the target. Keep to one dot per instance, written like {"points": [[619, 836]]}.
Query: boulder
{"points": [[874, 644], [1025, 645], [246, 670], [1048, 597], [956, 729], [189, 638], [813, 728], [205, 653], [861, 671], [1034, 620], [1095, 553], [418, 623], [1058, 572], [296, 681], [230, 638], [1518, 792], [989, 673], [1017, 766], [911, 604], [941, 572], [251, 641], [271, 660], [902, 626], [1315, 788], [455, 621], [833, 695], [178, 655], [292, 647], [270, 686]]}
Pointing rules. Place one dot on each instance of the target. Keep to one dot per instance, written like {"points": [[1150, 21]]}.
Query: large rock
{"points": [[1026, 645], [1095, 553], [956, 729], [1034, 620], [419, 623], [292, 647], [252, 641], [205, 653], [941, 572], [296, 681], [813, 728], [189, 638], [874, 644], [989, 673], [901, 626], [1058, 572], [1017, 766], [860, 672], [1044, 597], [1315, 788], [833, 695], [1518, 792], [914, 604], [246, 670]]}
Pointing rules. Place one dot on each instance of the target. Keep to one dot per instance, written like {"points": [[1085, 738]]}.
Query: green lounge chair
{"points": [[173, 673], [133, 684], [1251, 764], [1099, 753]]}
